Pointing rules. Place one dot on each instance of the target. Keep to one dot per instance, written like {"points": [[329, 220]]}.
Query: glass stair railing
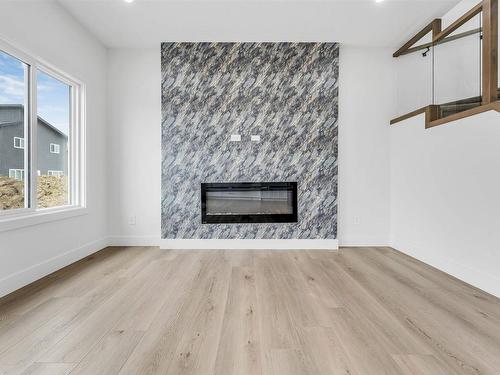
{"points": [[448, 69]]}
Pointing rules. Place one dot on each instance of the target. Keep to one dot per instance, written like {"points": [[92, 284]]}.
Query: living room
{"points": [[249, 187]]}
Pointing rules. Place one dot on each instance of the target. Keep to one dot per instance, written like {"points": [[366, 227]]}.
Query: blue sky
{"points": [[53, 95]]}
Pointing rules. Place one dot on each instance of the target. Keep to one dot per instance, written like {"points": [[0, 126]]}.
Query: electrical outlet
{"points": [[131, 220], [255, 138], [235, 138], [357, 220]]}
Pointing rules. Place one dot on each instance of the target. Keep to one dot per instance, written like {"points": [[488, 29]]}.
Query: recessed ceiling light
{"points": [[377, 1], [129, 1]]}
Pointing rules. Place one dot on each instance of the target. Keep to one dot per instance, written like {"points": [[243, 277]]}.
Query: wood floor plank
{"points": [[379, 325], [366, 348], [450, 285], [197, 349], [288, 362], [145, 306], [23, 327], [72, 281], [32, 295], [275, 322], [475, 346], [239, 350], [139, 310], [421, 365], [73, 347], [296, 292], [32, 348], [317, 280], [109, 355], [324, 349], [158, 348], [49, 369]]}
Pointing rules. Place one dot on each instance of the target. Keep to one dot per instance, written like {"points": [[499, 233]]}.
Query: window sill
{"points": [[11, 222]]}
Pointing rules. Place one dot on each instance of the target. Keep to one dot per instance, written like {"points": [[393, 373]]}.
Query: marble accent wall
{"points": [[285, 92]]}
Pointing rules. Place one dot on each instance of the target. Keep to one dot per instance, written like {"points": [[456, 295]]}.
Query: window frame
{"points": [[21, 143], [31, 214], [57, 148]]}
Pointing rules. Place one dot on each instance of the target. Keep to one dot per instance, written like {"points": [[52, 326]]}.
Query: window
{"points": [[16, 174], [57, 120], [18, 142], [54, 148], [14, 78], [55, 173], [54, 112]]}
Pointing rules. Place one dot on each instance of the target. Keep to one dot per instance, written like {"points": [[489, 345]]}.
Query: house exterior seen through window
{"points": [[13, 132], [39, 149]]}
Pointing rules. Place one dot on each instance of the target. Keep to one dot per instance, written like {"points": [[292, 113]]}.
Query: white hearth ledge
{"points": [[252, 244]]}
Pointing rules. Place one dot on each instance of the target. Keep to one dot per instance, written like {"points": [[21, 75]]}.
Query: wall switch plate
{"points": [[357, 220], [255, 138], [235, 138], [131, 220]]}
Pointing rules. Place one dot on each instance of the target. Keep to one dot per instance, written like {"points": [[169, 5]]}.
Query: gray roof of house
{"points": [[12, 114]]}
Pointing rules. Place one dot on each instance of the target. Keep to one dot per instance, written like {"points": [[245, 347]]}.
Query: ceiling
{"points": [[146, 23]]}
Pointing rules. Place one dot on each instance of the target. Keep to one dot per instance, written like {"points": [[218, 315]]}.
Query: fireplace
{"points": [[249, 202]]}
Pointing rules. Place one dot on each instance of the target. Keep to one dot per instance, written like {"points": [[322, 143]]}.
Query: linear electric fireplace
{"points": [[249, 202]]}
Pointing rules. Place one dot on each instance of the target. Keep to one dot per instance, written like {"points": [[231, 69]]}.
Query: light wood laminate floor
{"points": [[147, 311]]}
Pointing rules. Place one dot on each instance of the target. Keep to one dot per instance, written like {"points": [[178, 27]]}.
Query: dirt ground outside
{"points": [[51, 192]]}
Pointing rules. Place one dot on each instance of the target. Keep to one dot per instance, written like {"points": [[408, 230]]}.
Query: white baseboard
{"points": [[133, 241], [22, 278], [253, 244], [484, 281], [363, 244]]}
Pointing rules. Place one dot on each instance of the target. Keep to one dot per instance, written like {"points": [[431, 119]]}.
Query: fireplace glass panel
{"points": [[249, 202]]}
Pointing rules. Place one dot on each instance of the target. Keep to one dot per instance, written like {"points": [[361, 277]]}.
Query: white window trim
{"points": [[21, 143], [17, 218], [56, 148]]}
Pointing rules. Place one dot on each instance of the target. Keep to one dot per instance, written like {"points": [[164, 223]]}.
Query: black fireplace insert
{"points": [[249, 202]]}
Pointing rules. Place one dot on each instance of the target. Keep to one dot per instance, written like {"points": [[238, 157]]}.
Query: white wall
{"points": [[445, 181], [48, 32], [134, 153], [445, 206], [366, 104], [135, 138]]}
